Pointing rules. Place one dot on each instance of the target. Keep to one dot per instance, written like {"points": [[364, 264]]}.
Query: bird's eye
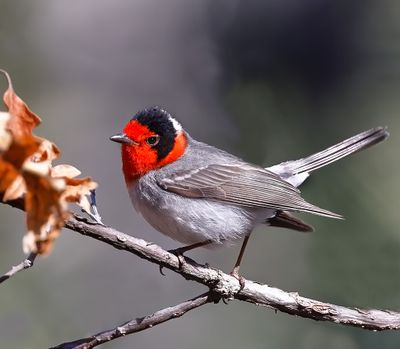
{"points": [[153, 140]]}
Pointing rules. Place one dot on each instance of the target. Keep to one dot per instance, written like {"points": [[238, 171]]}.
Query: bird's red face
{"points": [[150, 140]]}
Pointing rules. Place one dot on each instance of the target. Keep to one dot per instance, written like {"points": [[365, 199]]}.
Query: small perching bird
{"points": [[201, 195]]}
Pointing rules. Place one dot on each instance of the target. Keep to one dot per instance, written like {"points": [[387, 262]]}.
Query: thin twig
{"points": [[25, 264], [139, 324]]}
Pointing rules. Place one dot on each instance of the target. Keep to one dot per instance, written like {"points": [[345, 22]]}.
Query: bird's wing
{"points": [[240, 184]]}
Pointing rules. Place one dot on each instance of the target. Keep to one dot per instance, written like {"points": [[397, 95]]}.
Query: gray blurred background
{"points": [[267, 80]]}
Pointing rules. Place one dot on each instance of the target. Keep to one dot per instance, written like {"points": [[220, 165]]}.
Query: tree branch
{"points": [[25, 264], [139, 324], [228, 287]]}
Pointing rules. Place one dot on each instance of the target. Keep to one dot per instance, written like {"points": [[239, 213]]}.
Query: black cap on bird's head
{"points": [[158, 120]]}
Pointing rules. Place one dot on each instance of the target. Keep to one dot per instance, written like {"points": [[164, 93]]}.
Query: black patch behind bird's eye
{"points": [[159, 122]]}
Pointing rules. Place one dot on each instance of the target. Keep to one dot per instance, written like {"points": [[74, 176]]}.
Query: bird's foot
{"points": [[178, 252], [235, 274], [215, 297], [161, 267]]}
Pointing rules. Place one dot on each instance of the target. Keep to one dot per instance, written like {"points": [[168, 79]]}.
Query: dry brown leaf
{"points": [[46, 211], [65, 171], [15, 190], [24, 120], [47, 152], [26, 168], [8, 174], [5, 136], [77, 191]]}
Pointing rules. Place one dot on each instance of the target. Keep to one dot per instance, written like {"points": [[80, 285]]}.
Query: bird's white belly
{"points": [[194, 220]]}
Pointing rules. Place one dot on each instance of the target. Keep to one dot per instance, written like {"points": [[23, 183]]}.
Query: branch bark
{"points": [[25, 264], [139, 324], [227, 287]]}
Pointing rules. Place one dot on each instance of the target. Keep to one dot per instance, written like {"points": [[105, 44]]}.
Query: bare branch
{"points": [[25, 264], [139, 324], [228, 287]]}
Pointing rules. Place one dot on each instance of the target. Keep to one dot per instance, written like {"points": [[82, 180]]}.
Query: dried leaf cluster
{"points": [[26, 169]]}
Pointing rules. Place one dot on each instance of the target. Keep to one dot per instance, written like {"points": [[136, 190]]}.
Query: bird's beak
{"points": [[122, 138]]}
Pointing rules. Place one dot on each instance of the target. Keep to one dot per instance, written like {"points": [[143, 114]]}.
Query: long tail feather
{"points": [[297, 171]]}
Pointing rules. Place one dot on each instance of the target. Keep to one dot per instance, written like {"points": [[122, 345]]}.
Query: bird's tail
{"points": [[296, 171]]}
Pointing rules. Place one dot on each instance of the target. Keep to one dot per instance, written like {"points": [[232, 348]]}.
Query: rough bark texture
{"points": [[137, 325]]}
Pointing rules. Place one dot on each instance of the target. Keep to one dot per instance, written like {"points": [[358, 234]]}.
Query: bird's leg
{"points": [[181, 250], [235, 270]]}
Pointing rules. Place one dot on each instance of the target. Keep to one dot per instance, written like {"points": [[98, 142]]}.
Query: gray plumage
{"points": [[209, 194]]}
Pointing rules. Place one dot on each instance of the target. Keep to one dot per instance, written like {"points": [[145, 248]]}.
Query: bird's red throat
{"points": [[137, 160]]}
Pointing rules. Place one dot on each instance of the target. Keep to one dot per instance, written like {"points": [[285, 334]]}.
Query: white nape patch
{"points": [[175, 123]]}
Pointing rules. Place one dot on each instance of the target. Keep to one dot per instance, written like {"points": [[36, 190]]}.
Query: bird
{"points": [[203, 196]]}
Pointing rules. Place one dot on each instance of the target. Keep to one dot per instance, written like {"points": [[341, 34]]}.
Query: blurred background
{"points": [[267, 80]]}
